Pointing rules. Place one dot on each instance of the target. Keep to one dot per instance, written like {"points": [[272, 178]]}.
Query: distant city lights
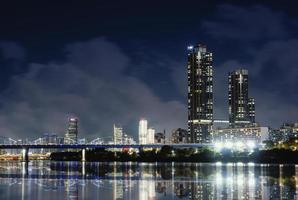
{"points": [[238, 146]]}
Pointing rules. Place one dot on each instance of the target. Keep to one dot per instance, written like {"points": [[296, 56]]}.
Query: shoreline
{"points": [[158, 162], [274, 156]]}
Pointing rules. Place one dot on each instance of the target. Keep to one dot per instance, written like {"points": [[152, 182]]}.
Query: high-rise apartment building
{"points": [[143, 129], [71, 135], [241, 107], [200, 94]]}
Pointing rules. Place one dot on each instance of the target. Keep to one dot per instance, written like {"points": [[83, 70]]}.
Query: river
{"points": [[45, 180]]}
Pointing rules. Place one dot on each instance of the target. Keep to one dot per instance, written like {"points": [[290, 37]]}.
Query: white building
{"points": [[256, 134], [143, 130], [150, 136], [118, 134]]}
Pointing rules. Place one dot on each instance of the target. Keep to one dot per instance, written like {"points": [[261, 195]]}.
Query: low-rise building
{"points": [[160, 138], [49, 138], [128, 139], [276, 136], [179, 136], [284, 133], [289, 130], [256, 134]]}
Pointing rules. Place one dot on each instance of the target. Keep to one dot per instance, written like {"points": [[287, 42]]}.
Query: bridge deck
{"points": [[98, 146]]}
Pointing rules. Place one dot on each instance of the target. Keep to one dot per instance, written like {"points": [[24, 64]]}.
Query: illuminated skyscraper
{"points": [[150, 136], [118, 134], [71, 135], [241, 107], [143, 124], [200, 94]]}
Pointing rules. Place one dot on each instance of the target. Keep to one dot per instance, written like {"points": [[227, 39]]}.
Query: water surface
{"points": [[75, 180]]}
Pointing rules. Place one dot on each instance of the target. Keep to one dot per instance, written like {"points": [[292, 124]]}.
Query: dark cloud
{"points": [[271, 63], [102, 85], [179, 76], [90, 84], [11, 50], [245, 24], [281, 56], [105, 58]]}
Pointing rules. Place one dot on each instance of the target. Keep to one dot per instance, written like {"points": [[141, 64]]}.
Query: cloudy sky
{"points": [[115, 62]]}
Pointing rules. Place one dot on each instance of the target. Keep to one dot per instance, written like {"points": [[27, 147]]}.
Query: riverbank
{"points": [[167, 154]]}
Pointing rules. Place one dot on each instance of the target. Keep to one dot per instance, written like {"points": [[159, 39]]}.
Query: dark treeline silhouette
{"points": [[168, 154]]}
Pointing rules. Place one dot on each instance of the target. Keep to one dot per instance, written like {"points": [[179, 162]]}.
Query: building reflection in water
{"points": [[75, 180], [146, 183]]}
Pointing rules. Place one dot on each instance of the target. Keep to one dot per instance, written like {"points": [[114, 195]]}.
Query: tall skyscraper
{"points": [[118, 134], [200, 94], [143, 124], [241, 107], [71, 135]]}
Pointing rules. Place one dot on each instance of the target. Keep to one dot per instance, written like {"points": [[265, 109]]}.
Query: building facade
{"points": [[128, 139], [160, 138], [241, 107], [143, 129], [251, 110], [71, 135], [289, 130], [200, 94], [234, 135], [238, 97], [118, 134], [179, 136], [276, 136], [49, 138], [150, 136]]}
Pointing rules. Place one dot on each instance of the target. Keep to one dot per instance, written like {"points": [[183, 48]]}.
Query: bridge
{"points": [[101, 146], [25, 147]]}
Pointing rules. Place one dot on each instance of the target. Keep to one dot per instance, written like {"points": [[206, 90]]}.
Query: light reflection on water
{"points": [[75, 180]]}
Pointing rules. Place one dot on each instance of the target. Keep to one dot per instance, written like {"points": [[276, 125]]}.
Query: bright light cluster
{"points": [[190, 47], [250, 145]]}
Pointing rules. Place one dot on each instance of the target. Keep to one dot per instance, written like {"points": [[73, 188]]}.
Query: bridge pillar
{"points": [[25, 156], [83, 155]]}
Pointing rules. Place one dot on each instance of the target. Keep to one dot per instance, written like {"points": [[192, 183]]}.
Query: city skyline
{"points": [[106, 73], [199, 59], [149, 100]]}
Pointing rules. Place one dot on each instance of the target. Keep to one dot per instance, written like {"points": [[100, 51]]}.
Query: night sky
{"points": [[117, 61]]}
